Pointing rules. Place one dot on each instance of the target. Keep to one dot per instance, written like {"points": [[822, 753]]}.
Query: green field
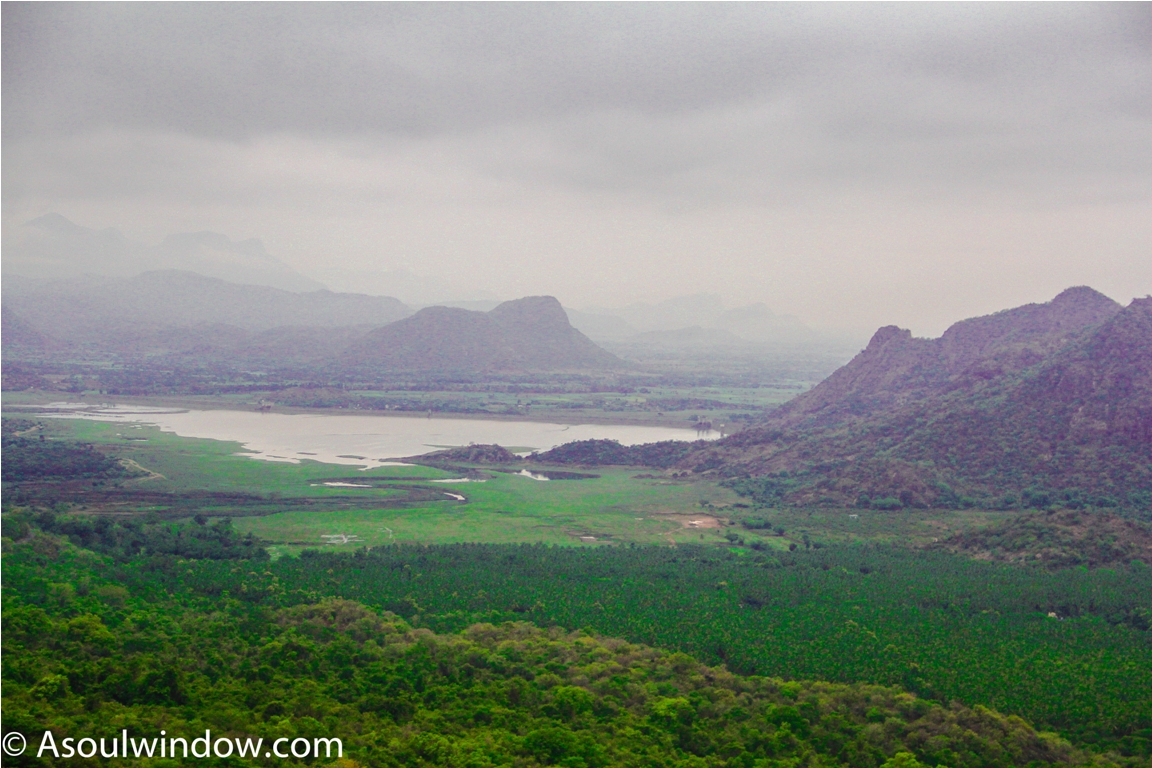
{"points": [[508, 508]]}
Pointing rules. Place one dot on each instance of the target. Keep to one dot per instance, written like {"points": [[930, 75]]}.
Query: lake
{"points": [[358, 439]]}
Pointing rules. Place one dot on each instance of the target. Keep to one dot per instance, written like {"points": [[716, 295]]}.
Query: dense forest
{"points": [[124, 538], [96, 644]]}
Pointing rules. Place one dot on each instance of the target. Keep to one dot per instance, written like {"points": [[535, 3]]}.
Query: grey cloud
{"points": [[239, 69], [677, 99]]}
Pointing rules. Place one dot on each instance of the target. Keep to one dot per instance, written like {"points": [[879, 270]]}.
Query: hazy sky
{"points": [[856, 165]]}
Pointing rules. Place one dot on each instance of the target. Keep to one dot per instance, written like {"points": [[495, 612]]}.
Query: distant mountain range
{"points": [[52, 247], [91, 309], [684, 322], [201, 294], [182, 315], [1040, 403]]}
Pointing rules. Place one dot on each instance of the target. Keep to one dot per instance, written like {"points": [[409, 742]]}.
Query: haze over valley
{"points": [[700, 385]]}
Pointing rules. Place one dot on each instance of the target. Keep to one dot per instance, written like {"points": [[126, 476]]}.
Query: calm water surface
{"points": [[359, 440]]}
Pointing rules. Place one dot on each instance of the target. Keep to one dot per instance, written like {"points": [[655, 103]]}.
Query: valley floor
{"points": [[297, 505], [681, 563]]}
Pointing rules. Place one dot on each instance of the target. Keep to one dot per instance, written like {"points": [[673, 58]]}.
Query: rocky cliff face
{"points": [[532, 333], [1048, 399], [1099, 388]]}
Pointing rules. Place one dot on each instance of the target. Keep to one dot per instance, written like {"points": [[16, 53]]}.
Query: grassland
{"points": [[506, 508]]}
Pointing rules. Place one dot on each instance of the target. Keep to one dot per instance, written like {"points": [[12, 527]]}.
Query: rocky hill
{"points": [[1040, 405], [532, 333], [896, 369]]}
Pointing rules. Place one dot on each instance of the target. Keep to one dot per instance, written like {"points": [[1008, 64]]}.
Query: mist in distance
{"points": [[852, 166]]}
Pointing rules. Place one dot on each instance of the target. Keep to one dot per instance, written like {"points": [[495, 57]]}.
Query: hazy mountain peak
{"points": [[57, 226], [532, 333], [53, 247], [1083, 296], [55, 222], [437, 311], [544, 312], [160, 310]]}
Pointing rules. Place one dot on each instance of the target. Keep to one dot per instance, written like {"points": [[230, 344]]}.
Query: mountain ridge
{"points": [[86, 308], [896, 367]]}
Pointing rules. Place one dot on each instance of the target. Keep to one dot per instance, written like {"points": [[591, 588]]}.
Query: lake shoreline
{"points": [[21, 401], [357, 438]]}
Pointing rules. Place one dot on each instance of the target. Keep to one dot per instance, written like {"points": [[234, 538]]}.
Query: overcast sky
{"points": [[856, 165]]}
